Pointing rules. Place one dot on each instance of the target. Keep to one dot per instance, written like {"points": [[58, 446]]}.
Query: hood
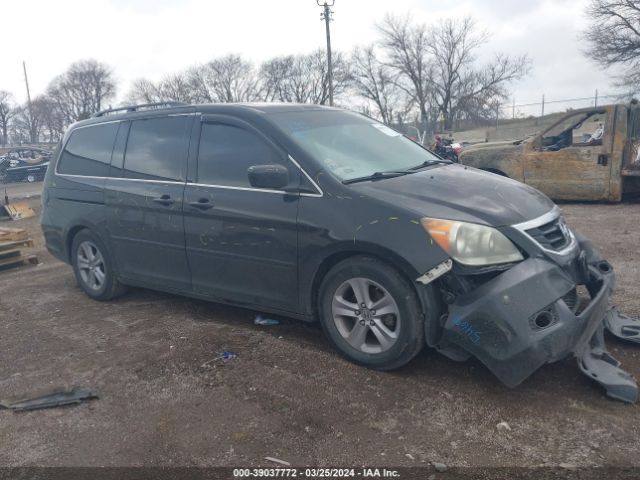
{"points": [[456, 192]]}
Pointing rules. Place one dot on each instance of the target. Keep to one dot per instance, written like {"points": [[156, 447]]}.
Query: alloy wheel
{"points": [[366, 315], [91, 265]]}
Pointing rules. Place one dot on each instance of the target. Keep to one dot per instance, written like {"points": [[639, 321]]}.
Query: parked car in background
{"points": [[588, 154], [24, 164]]}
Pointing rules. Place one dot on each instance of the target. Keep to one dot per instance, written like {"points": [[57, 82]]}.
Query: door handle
{"points": [[165, 200], [202, 204]]}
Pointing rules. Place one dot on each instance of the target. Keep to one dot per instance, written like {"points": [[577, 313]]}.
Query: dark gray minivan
{"points": [[327, 215]]}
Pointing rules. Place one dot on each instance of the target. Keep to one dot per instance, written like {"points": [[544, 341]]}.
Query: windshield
{"points": [[351, 145]]}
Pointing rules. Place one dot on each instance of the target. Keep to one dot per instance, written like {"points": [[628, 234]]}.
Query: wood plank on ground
{"points": [[13, 234], [4, 246], [9, 253], [16, 261]]}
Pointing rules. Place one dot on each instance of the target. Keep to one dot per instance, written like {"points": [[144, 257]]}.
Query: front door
{"points": [[241, 241], [144, 195], [572, 159]]}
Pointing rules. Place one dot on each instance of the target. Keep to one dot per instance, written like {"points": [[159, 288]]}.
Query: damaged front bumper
{"points": [[524, 317]]}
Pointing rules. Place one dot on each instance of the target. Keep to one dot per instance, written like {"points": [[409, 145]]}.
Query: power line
{"points": [[547, 102]]}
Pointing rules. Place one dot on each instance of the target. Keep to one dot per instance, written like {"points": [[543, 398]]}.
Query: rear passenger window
{"points": [[88, 151], [157, 149], [226, 152]]}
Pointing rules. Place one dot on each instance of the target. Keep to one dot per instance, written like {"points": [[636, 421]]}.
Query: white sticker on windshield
{"points": [[386, 130]]}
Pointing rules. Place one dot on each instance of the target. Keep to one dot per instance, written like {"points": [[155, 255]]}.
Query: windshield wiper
{"points": [[428, 163], [377, 175]]}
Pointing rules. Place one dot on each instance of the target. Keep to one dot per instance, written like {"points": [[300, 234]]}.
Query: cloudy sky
{"points": [[150, 38]]}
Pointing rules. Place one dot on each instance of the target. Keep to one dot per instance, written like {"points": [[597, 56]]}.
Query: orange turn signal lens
{"points": [[440, 231]]}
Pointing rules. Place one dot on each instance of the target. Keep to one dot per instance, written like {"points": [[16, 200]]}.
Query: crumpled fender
{"points": [[619, 325]]}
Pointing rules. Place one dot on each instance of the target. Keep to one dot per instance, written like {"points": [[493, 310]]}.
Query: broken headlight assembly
{"points": [[471, 244]]}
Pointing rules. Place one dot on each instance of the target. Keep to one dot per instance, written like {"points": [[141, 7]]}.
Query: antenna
{"points": [[326, 16]]}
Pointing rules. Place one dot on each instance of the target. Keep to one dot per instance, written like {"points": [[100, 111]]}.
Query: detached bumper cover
{"points": [[597, 363], [499, 323]]}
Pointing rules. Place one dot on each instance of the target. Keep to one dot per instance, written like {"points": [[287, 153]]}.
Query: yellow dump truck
{"points": [[588, 154]]}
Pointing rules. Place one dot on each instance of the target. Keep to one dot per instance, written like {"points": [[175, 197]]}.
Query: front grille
{"points": [[552, 236]]}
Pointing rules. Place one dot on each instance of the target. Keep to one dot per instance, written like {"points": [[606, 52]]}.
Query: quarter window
{"points": [[88, 151], [157, 149], [226, 152]]}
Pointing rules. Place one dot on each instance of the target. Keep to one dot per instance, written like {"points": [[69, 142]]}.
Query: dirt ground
{"points": [[166, 400]]}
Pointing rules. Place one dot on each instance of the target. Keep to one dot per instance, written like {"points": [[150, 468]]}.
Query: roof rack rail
{"points": [[135, 108]]}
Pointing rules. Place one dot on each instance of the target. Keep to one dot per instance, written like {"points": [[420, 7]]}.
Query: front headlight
{"points": [[471, 244]]}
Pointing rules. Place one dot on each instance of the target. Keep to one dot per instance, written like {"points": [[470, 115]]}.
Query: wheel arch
{"points": [[332, 259], [71, 235]]}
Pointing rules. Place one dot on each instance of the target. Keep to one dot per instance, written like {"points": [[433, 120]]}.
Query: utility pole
{"points": [[26, 82], [542, 114], [595, 104], [326, 16]]}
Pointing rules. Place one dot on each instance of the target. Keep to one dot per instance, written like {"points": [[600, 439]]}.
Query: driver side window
{"points": [[226, 152], [584, 129]]}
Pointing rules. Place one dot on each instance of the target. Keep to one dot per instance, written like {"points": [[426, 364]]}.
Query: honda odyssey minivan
{"points": [[326, 215]]}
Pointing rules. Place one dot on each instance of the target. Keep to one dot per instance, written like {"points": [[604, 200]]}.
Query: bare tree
{"points": [[377, 82], [50, 118], [82, 90], [143, 91], [7, 112], [456, 80], [175, 87], [441, 66], [225, 79], [275, 79], [613, 37], [303, 78], [27, 125], [407, 47]]}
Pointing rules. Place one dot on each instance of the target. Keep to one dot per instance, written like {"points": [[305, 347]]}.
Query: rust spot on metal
{"points": [[584, 169]]}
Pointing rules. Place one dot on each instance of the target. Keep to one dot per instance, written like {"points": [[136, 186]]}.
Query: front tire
{"points": [[371, 314], [94, 268]]}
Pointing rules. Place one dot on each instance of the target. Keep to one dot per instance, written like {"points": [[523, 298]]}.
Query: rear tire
{"points": [[94, 268], [371, 314]]}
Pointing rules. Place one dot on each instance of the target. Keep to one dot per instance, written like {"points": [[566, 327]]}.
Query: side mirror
{"points": [[268, 176]]}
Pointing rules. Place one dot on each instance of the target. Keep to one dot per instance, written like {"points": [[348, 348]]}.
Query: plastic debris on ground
{"points": [[440, 467], [260, 320], [228, 356], [504, 426], [277, 460], [57, 398], [224, 356]]}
